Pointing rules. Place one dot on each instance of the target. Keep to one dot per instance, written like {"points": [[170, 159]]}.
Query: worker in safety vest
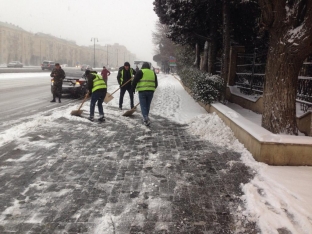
{"points": [[125, 74], [97, 89], [145, 82]]}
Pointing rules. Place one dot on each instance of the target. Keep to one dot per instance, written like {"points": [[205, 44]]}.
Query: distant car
{"points": [[85, 67], [73, 85], [47, 65], [15, 64]]}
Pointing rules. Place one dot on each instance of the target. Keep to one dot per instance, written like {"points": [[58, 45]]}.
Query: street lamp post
{"points": [[117, 57], [94, 39], [107, 55]]}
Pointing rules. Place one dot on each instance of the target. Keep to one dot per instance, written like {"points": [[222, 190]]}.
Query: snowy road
{"points": [[25, 94]]}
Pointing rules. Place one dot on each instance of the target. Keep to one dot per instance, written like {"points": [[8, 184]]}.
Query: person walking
{"points": [[58, 75], [125, 74], [97, 89], [105, 73], [145, 82], [137, 68]]}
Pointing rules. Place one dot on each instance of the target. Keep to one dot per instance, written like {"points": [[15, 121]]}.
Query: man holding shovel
{"points": [[145, 82], [125, 74], [97, 89]]}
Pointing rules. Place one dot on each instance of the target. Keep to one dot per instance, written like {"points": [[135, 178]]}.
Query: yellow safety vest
{"points": [[122, 74], [147, 83], [98, 83]]}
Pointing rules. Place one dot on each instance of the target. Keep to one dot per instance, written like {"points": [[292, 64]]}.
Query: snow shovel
{"points": [[110, 97], [79, 112], [130, 112]]}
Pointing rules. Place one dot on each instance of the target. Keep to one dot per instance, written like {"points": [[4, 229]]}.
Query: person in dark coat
{"points": [[97, 89], [58, 75], [145, 82], [125, 74]]}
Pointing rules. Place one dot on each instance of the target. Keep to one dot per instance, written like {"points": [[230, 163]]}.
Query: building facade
{"points": [[32, 49]]}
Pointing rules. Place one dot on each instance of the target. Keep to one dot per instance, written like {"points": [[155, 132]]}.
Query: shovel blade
{"points": [[76, 112], [108, 98], [129, 112]]}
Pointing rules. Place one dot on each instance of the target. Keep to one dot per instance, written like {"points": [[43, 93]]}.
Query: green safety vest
{"points": [[122, 74], [147, 82], [98, 83]]}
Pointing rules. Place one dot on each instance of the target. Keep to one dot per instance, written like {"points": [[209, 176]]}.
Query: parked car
{"points": [[73, 85], [15, 64], [47, 65], [85, 67]]}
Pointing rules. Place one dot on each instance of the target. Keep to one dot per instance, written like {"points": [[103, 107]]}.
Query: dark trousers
{"points": [[122, 94], [145, 98], [57, 90], [97, 96]]}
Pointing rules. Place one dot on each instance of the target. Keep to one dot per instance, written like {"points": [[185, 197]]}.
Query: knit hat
{"points": [[127, 64]]}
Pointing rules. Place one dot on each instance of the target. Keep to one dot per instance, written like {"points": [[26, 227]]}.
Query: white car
{"points": [[15, 64]]}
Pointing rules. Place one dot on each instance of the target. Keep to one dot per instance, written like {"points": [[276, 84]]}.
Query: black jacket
{"points": [[126, 77], [138, 77]]}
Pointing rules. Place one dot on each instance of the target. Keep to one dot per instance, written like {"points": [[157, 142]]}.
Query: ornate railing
{"points": [[250, 72]]}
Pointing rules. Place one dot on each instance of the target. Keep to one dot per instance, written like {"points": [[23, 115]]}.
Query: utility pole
{"points": [[94, 39]]}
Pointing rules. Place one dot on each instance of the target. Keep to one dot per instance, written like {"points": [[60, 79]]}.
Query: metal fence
{"points": [[250, 72]]}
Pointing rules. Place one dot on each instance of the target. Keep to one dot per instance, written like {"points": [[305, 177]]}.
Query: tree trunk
{"points": [[290, 43], [226, 46], [212, 51], [205, 58], [280, 91], [197, 56]]}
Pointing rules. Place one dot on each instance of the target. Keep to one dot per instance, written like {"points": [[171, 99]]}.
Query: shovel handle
{"points": [[135, 106], [120, 87], [83, 101]]}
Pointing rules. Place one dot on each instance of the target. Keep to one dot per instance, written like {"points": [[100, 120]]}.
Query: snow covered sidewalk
{"points": [[185, 174]]}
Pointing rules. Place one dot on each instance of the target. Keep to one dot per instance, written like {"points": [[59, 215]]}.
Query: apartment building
{"points": [[33, 48]]}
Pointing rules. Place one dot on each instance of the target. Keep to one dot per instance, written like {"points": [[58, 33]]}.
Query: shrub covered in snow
{"points": [[205, 87]]}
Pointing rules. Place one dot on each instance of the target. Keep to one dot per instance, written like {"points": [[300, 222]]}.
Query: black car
{"points": [[47, 65], [15, 64], [73, 85]]}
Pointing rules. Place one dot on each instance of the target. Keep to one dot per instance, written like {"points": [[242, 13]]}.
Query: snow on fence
{"points": [[250, 73]]}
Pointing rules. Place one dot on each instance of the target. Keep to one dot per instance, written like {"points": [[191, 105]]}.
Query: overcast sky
{"points": [[127, 22]]}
